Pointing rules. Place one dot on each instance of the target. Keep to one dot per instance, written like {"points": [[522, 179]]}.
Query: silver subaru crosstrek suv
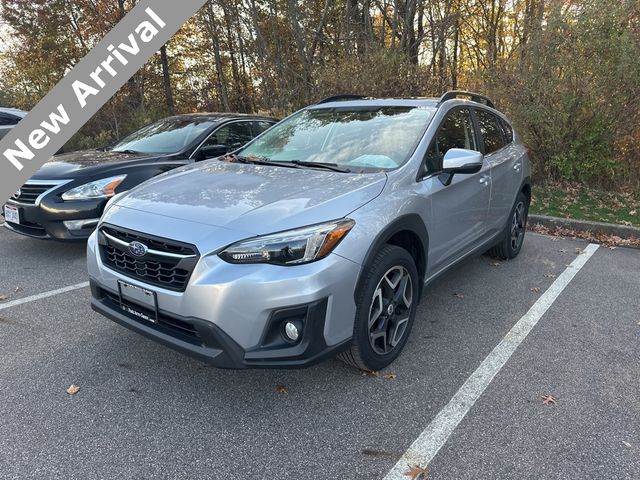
{"points": [[318, 237]]}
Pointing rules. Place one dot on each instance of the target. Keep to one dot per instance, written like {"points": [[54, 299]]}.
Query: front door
{"points": [[458, 212]]}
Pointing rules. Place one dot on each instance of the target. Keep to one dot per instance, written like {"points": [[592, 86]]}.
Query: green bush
{"points": [[572, 95]]}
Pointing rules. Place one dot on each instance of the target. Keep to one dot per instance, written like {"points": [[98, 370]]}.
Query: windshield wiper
{"points": [[130, 152], [232, 157], [327, 166]]}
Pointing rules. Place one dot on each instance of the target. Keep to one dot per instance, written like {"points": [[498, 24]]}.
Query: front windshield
{"points": [[356, 138], [166, 136]]}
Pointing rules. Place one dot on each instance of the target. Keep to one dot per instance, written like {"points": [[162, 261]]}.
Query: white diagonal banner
{"points": [[87, 87]]}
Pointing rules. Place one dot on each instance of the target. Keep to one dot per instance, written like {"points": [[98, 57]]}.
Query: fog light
{"points": [[292, 331], [75, 225]]}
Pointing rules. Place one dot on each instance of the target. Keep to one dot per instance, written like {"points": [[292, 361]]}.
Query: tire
{"points": [[391, 328], [513, 237]]}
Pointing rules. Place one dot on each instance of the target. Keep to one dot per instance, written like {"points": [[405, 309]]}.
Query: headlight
{"points": [[104, 188], [292, 247]]}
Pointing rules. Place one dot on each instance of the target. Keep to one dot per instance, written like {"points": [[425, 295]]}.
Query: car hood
{"points": [[86, 163], [254, 199]]}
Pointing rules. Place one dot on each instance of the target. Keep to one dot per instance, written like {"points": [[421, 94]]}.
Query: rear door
{"points": [[458, 212], [503, 159]]}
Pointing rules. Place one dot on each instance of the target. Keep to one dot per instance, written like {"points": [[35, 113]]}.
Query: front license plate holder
{"points": [[12, 214], [132, 295]]}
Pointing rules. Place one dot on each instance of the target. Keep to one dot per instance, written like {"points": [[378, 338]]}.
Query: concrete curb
{"points": [[621, 231]]}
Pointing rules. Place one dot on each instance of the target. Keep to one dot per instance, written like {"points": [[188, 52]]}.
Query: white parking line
{"points": [[40, 296], [431, 440]]}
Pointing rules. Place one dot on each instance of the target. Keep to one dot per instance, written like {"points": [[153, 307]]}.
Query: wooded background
{"points": [[566, 72]]}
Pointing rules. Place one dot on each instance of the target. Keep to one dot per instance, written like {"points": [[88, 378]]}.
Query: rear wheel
{"points": [[513, 237], [386, 307]]}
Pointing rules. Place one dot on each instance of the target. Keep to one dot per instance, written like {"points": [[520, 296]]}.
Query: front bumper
{"points": [[46, 219], [209, 343], [231, 316]]}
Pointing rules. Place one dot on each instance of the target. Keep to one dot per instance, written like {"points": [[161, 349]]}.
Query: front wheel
{"points": [[386, 305], [513, 236]]}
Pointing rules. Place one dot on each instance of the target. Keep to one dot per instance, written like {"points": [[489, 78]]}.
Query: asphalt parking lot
{"points": [[144, 410]]}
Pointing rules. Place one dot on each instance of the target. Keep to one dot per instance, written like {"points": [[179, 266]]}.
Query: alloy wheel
{"points": [[518, 226], [390, 310]]}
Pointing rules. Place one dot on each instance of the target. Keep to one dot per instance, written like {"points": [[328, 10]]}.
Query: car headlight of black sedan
{"points": [[104, 188]]}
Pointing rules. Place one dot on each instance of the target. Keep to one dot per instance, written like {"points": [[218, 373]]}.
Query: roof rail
{"points": [[475, 97], [341, 98]]}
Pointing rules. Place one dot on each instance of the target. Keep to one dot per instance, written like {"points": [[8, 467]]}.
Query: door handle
{"points": [[485, 179]]}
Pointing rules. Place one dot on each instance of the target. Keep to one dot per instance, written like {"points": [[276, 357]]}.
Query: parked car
{"points": [[66, 197], [318, 237], [9, 118]]}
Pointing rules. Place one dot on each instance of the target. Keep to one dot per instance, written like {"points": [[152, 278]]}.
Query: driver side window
{"points": [[455, 132], [233, 135]]}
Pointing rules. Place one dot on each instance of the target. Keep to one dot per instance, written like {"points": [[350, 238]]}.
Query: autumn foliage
{"points": [[566, 71]]}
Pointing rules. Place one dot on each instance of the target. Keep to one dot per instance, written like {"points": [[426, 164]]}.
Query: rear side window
{"points": [[7, 120], [508, 132], [455, 132], [491, 131]]}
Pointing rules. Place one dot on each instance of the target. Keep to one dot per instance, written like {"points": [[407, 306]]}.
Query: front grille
{"points": [[168, 264], [167, 324], [29, 193]]}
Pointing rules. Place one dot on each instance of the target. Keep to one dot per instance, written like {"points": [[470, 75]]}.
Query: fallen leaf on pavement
{"points": [[562, 250], [549, 275], [417, 473], [578, 251], [459, 295], [604, 239], [281, 389], [535, 289], [389, 376], [3, 298], [549, 400], [73, 389], [18, 289], [494, 264], [369, 373]]}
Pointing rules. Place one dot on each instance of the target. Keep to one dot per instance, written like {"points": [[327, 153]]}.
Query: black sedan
{"points": [[66, 197]]}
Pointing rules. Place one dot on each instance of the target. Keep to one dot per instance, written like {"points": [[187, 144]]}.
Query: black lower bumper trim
{"points": [[47, 221], [212, 345]]}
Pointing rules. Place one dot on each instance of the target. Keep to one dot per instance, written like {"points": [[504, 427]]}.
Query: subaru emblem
{"points": [[138, 249]]}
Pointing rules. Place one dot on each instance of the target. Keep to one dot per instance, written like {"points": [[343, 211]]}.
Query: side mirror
{"points": [[459, 161], [212, 151]]}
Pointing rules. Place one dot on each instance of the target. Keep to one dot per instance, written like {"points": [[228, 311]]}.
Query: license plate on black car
{"points": [[12, 214]]}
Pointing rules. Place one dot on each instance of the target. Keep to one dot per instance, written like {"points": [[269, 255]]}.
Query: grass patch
{"points": [[581, 203]]}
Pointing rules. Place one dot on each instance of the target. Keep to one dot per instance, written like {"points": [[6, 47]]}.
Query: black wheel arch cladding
{"points": [[407, 228]]}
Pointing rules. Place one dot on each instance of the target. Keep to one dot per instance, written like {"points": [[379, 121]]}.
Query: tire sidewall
{"points": [[514, 252], [394, 256]]}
